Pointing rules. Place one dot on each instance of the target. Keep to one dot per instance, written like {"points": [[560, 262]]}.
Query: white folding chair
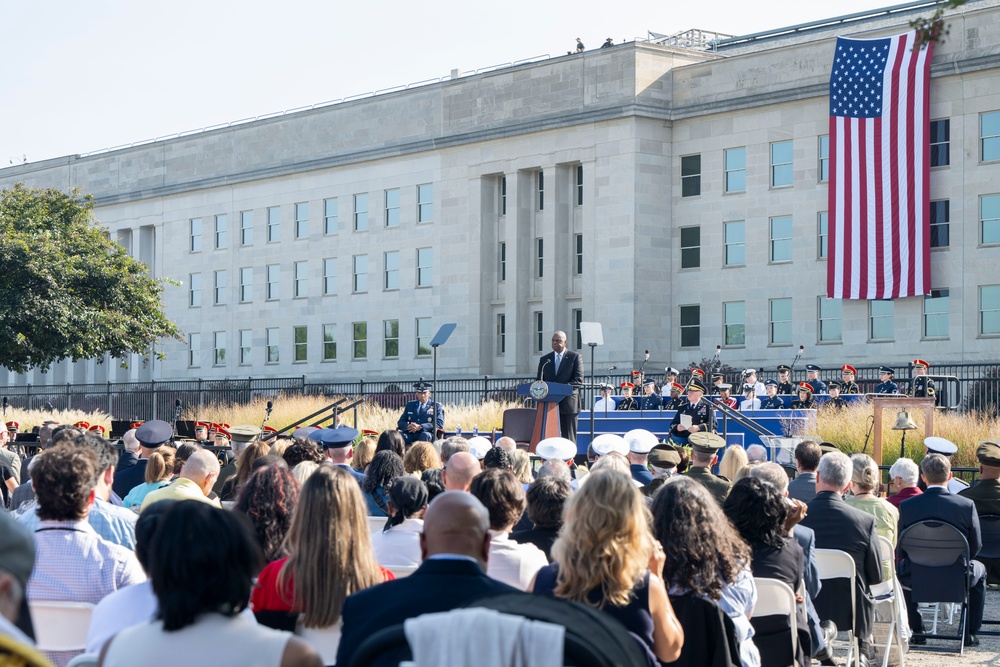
{"points": [[84, 660], [60, 626], [775, 598], [326, 641], [376, 524], [836, 564], [890, 591], [400, 571]]}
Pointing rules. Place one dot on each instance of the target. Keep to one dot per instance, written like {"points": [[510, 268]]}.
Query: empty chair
{"points": [[889, 591], [774, 622], [518, 424], [989, 524], [60, 626], [836, 600]]}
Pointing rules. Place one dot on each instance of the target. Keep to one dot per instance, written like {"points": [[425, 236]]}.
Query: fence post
{"points": [[69, 398], [109, 397], [201, 397], [30, 406], [361, 388], [486, 389], [303, 390], [152, 390]]}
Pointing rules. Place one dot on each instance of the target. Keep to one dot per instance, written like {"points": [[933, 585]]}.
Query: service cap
{"points": [[706, 443], [606, 443], [698, 372], [988, 453], [828, 447], [640, 441], [606, 386], [784, 368], [670, 370], [153, 433], [941, 445], [676, 386], [924, 364], [834, 384], [805, 386], [750, 371], [847, 368], [303, 432], [886, 370], [478, 446], [422, 386], [770, 383], [627, 385], [694, 385], [551, 449], [664, 456], [334, 438], [813, 367], [13, 426], [244, 433], [724, 386], [717, 376]]}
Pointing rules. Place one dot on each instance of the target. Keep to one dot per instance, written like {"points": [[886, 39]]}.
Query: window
{"points": [[301, 277], [989, 135], [329, 276], [829, 320], [690, 326], [824, 158], [989, 310], [736, 170], [194, 290], [246, 342], [690, 175], [300, 336], [781, 321], [425, 203], [501, 346], [690, 247], [329, 342], [221, 293], [502, 261], [424, 337], [880, 319], [272, 282], [271, 341], [541, 191], [360, 212], [989, 219], [221, 231], [503, 196], [246, 228], [577, 317], [579, 185], [735, 243], [361, 273], [940, 215], [734, 322], [390, 277], [392, 208], [195, 244], [330, 217], [539, 258], [781, 164], [425, 257], [360, 333], [539, 331], [578, 265], [302, 220], [219, 348], [936, 314], [246, 284], [194, 350], [781, 239], [390, 337], [823, 250], [940, 142], [273, 224]]}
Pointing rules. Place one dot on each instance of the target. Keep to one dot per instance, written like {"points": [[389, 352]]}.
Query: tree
{"points": [[932, 29], [66, 290]]}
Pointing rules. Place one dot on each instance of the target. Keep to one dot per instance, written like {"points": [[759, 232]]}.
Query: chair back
{"points": [[837, 599], [376, 524], [84, 660], [401, 571], [326, 641], [989, 524], [518, 424], [937, 556], [60, 626], [774, 621]]}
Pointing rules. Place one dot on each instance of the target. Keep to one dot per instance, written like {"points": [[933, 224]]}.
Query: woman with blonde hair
{"points": [[606, 557], [865, 480], [364, 452], [330, 557], [521, 461], [733, 460], [421, 456], [159, 470], [244, 468]]}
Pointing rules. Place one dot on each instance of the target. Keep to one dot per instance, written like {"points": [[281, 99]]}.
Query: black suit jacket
{"points": [[437, 585], [129, 478], [126, 459], [937, 503], [570, 372]]}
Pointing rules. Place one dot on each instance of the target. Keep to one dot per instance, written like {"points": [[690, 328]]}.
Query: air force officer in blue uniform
{"points": [[417, 421]]}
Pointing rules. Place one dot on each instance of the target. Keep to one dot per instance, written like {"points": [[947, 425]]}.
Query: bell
{"points": [[903, 422]]}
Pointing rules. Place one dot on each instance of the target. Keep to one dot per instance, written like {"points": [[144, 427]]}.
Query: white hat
{"points": [[606, 443], [478, 446], [670, 370], [940, 445], [750, 371], [724, 385], [641, 441], [551, 449]]}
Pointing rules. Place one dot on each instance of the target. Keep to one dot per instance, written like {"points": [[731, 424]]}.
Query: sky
{"points": [[85, 76]]}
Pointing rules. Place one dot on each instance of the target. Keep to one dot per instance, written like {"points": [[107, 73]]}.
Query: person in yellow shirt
{"points": [[194, 483]]}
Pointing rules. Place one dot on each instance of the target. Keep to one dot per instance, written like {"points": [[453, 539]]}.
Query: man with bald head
{"points": [[455, 546], [459, 471], [195, 482], [507, 444]]}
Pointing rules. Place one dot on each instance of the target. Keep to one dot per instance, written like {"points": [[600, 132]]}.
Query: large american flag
{"points": [[879, 241]]}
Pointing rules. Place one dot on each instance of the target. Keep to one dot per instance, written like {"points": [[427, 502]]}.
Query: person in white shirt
{"points": [[750, 402], [398, 544], [750, 378], [605, 403]]}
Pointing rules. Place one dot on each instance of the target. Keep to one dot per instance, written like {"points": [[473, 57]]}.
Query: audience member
{"points": [[398, 544], [184, 452], [302, 450], [278, 445], [303, 470], [459, 471], [244, 468], [757, 453], [606, 557], [151, 436], [704, 455], [453, 445], [200, 603], [338, 444], [546, 499], [268, 500], [803, 487], [454, 546], [433, 479], [393, 441], [663, 461], [385, 467], [497, 458], [364, 451], [520, 462], [734, 459], [507, 444], [421, 456], [557, 469], [17, 557], [195, 483], [865, 480], [242, 438], [130, 451], [903, 477], [159, 470], [986, 494]]}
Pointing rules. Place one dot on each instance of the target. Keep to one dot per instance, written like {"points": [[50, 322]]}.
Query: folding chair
{"points": [[837, 572], [376, 524], [324, 640], [889, 592], [60, 626], [938, 558], [989, 524], [84, 660], [775, 599], [518, 424]]}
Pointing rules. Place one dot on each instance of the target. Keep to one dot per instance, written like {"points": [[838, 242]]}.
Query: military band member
{"points": [[849, 385], [812, 377], [750, 378], [947, 449], [750, 401], [605, 403], [700, 413], [627, 402], [717, 380], [669, 377], [886, 386], [785, 385], [724, 397], [922, 386], [420, 420], [805, 399], [835, 402], [676, 400], [650, 399], [772, 402]]}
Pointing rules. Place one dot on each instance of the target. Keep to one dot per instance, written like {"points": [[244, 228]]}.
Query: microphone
{"points": [[48, 405], [612, 368], [177, 403], [718, 350], [542, 369], [269, 406], [802, 348], [647, 355]]}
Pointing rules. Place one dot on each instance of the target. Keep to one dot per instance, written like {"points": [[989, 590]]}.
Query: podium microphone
{"points": [[542, 369], [647, 355]]}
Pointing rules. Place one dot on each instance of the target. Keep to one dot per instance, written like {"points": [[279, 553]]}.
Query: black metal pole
{"points": [[592, 346], [434, 416]]}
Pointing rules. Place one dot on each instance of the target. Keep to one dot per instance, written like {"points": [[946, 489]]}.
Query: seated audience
{"points": [[398, 544], [757, 453], [159, 470], [385, 467], [433, 479], [546, 500], [364, 452], [803, 487], [453, 445], [903, 477], [244, 468], [268, 499], [733, 460], [986, 495], [865, 481], [459, 471], [303, 470], [557, 469], [393, 441], [17, 557], [184, 452], [195, 482], [301, 450], [422, 456], [507, 444], [497, 458], [521, 465]]}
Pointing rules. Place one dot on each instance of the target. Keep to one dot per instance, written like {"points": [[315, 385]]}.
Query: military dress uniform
{"points": [[834, 403], [674, 403], [818, 386], [651, 402], [628, 403], [922, 386], [986, 496], [421, 414], [798, 403], [717, 485], [772, 403], [701, 414], [887, 387], [785, 387]]}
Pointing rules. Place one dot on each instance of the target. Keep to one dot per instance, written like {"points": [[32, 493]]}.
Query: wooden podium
{"points": [[547, 410], [898, 403]]}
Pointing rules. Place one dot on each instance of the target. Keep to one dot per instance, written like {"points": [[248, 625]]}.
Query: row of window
{"points": [[300, 278], [539, 258], [539, 182], [331, 219], [881, 319], [301, 343]]}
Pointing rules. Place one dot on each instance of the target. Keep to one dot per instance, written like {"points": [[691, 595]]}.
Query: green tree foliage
{"points": [[66, 290], [932, 29]]}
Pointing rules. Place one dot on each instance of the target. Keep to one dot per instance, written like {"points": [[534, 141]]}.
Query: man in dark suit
{"points": [[807, 456], [454, 545], [986, 494], [566, 367], [129, 455], [151, 436], [938, 504], [421, 419], [839, 526]]}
